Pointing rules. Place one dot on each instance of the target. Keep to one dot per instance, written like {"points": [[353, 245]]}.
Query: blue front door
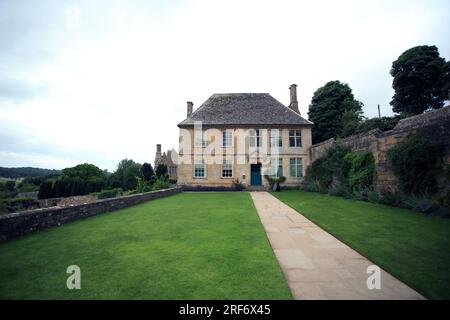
{"points": [[255, 177]]}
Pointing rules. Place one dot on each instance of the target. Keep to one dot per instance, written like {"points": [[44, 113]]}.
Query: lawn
{"points": [[187, 246], [412, 246]]}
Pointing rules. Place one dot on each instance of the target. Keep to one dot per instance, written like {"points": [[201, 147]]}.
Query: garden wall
{"points": [[16, 224], [434, 126]]}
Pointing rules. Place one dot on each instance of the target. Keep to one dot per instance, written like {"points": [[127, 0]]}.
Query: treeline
{"points": [[129, 177], [26, 172], [336, 113]]}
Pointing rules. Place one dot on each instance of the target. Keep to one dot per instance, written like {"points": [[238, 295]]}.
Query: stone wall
{"points": [[434, 126], [17, 224], [66, 201]]}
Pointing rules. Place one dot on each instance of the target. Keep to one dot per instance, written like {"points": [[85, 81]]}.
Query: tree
{"points": [[46, 190], [421, 77], [334, 111], [383, 123], [147, 171], [161, 170], [125, 175]]}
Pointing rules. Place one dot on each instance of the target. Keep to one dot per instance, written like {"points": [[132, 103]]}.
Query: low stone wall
{"points": [[66, 201], [17, 224]]}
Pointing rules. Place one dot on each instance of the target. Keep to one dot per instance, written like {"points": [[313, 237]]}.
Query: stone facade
{"points": [[241, 155], [434, 125], [243, 137], [169, 159], [17, 224]]}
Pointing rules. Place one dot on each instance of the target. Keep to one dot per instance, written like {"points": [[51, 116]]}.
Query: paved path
{"points": [[316, 264]]}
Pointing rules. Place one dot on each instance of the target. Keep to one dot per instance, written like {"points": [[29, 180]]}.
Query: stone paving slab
{"points": [[315, 264]]}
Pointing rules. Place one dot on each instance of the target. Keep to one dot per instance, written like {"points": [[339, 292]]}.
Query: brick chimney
{"points": [[190, 106], [294, 101], [158, 158]]}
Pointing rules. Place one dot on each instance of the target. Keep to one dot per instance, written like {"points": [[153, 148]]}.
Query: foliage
{"points": [[161, 184], [125, 175], [359, 170], [238, 185], [383, 123], [147, 171], [110, 193], [415, 162], [46, 190], [421, 204], [15, 173], [161, 170], [327, 169], [142, 185], [18, 204], [421, 77], [334, 111], [274, 180]]}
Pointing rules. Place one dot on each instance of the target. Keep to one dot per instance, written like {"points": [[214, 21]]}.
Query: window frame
{"points": [[225, 139], [202, 163], [295, 136], [229, 170], [294, 167], [202, 139], [273, 137], [257, 137], [276, 170]]}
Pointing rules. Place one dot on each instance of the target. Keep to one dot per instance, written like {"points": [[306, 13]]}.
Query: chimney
{"points": [[158, 148], [294, 102], [190, 106]]}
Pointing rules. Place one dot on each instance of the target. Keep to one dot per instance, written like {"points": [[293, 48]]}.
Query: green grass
{"points": [[187, 246], [411, 246]]}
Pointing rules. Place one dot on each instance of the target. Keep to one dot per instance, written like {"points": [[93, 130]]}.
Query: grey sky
{"points": [[98, 81]]}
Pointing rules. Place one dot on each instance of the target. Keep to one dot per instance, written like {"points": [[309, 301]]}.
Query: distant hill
{"points": [[26, 172]]}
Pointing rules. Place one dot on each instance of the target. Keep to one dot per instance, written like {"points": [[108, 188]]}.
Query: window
{"points": [[227, 169], [227, 138], [275, 138], [255, 138], [200, 138], [199, 169], [296, 167], [276, 167], [172, 170], [295, 138]]}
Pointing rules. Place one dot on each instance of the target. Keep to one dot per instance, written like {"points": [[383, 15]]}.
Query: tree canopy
{"points": [[334, 111], [125, 176], [421, 80], [147, 171]]}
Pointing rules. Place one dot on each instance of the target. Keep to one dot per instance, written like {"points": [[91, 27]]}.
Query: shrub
{"points": [[18, 204], [160, 184], [238, 185], [46, 190], [327, 169], [274, 180], [421, 204], [415, 162], [373, 196], [359, 170], [339, 190], [391, 199], [111, 193]]}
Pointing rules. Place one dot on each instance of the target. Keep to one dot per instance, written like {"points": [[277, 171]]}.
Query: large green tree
{"points": [[421, 80], [125, 176], [147, 171], [334, 111]]}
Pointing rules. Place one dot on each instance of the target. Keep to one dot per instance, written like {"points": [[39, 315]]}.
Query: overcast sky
{"points": [[99, 81]]}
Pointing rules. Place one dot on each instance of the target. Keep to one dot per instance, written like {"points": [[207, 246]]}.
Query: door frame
{"points": [[256, 166]]}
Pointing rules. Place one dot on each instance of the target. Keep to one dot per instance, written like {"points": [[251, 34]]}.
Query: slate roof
{"points": [[244, 109]]}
